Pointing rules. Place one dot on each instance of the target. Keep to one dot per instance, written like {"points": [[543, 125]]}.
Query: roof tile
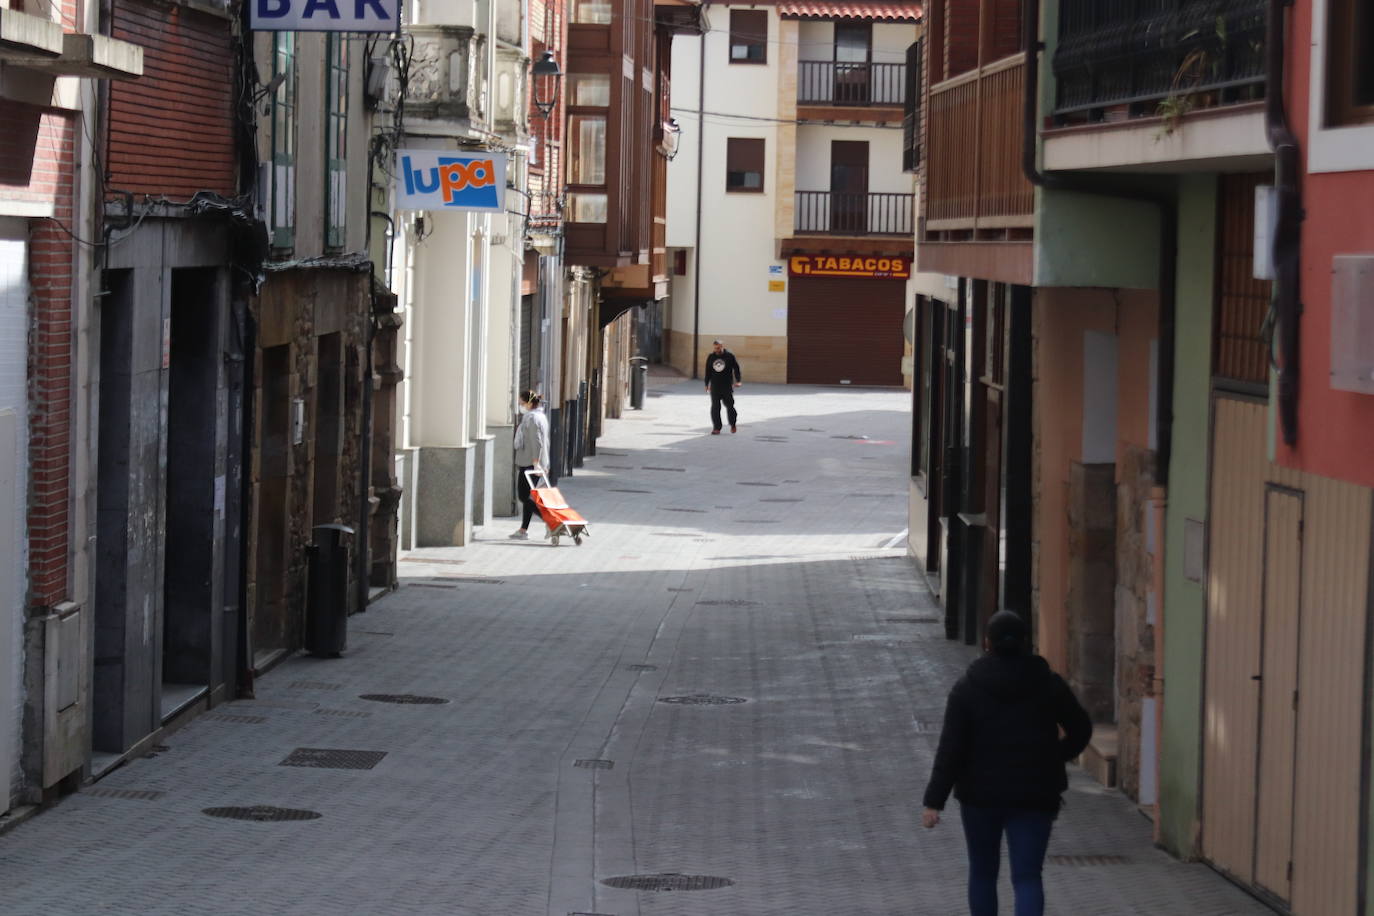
{"points": [[881, 10]]}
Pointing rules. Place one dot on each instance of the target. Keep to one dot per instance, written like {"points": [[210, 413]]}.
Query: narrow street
{"points": [[735, 678]]}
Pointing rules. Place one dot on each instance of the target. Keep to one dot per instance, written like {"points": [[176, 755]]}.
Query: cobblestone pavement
{"points": [[734, 677]]}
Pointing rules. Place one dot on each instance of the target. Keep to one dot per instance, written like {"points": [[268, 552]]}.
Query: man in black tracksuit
{"points": [[722, 378], [1010, 726]]}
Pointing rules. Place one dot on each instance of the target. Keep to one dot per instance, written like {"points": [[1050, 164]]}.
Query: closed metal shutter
{"points": [[528, 354], [841, 330]]}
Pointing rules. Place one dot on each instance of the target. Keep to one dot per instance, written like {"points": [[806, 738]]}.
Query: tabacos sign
{"points": [[859, 266], [447, 180], [324, 15]]}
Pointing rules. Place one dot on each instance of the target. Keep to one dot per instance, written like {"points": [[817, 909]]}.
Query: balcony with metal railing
{"points": [[848, 85], [847, 213], [1123, 59]]}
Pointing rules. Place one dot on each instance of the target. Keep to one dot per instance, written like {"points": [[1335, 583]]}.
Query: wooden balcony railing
{"points": [[846, 213], [973, 165], [836, 83], [1119, 59]]}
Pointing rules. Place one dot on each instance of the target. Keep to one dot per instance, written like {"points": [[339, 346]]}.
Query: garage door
{"points": [[845, 331]]}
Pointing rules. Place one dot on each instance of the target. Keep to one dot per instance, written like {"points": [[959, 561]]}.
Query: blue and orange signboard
{"points": [[870, 267], [450, 180]]}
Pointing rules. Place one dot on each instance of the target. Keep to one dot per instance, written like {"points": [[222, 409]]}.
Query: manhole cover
{"points": [[643, 667], [404, 699], [111, 792], [1088, 860], [731, 602], [670, 881], [702, 699], [649, 467], [263, 813], [594, 764], [330, 759]]}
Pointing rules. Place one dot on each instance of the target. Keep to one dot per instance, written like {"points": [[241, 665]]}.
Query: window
{"points": [[587, 208], [744, 165], [589, 90], [586, 149], [748, 37], [1350, 62], [592, 12], [852, 42], [282, 207], [336, 148]]}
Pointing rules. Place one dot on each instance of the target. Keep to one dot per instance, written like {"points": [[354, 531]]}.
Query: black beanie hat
{"points": [[1008, 633]]}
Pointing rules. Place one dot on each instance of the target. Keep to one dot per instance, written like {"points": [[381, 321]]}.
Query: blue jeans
{"points": [[1028, 835]]}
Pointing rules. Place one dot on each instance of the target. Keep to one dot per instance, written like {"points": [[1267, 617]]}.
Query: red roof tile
{"points": [[882, 10]]}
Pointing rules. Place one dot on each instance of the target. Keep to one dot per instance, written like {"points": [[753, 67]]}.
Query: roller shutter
{"points": [[843, 330]]}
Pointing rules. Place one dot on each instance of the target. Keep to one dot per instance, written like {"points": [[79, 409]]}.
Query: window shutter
{"points": [[911, 120]]}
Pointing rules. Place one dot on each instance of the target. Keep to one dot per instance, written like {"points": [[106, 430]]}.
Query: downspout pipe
{"points": [[696, 253], [1168, 234], [1287, 236]]}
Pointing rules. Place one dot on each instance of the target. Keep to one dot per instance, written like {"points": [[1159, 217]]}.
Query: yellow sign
{"points": [[855, 266], [777, 286]]}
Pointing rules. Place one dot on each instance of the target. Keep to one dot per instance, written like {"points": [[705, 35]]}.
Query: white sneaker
{"points": [[520, 535]]}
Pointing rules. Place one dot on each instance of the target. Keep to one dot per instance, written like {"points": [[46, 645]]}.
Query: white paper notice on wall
{"points": [[775, 270], [780, 314]]}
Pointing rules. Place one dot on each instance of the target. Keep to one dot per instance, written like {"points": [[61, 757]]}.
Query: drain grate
{"points": [[852, 438], [729, 602], [886, 639], [343, 713], [244, 720], [754, 483], [681, 589], [331, 759], [602, 451], [608, 914], [649, 467], [475, 580], [430, 585], [809, 429], [404, 699], [781, 499], [931, 619], [370, 632], [594, 764], [868, 495], [643, 667], [313, 685], [702, 699], [262, 813], [693, 511], [670, 881], [1088, 860], [632, 491], [770, 438], [134, 794]]}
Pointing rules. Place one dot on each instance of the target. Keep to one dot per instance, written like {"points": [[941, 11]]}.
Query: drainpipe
{"points": [[1168, 235], [696, 256], [1287, 309]]}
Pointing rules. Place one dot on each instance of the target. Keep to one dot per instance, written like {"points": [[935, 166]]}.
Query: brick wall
{"points": [[51, 254], [171, 132]]}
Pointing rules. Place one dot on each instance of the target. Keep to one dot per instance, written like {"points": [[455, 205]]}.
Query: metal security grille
{"points": [[134, 794], [843, 331], [594, 764], [331, 759], [1088, 860], [670, 881], [1241, 354], [263, 813]]}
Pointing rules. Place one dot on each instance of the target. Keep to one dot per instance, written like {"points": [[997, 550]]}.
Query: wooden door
{"points": [[1278, 686], [849, 187]]}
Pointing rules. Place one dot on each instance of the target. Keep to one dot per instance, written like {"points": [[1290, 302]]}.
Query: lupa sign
{"points": [[448, 180], [325, 15]]}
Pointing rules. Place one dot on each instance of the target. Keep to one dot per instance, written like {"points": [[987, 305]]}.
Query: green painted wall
{"points": [[1185, 605], [1095, 240]]}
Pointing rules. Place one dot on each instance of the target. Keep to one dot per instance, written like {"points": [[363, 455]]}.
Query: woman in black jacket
{"points": [[1002, 753]]}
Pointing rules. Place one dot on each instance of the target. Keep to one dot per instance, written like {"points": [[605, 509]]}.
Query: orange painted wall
{"points": [[1335, 428], [1061, 318]]}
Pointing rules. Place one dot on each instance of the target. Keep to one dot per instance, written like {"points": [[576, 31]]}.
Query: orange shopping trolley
{"points": [[560, 519]]}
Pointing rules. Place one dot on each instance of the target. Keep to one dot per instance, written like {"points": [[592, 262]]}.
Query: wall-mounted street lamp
{"points": [[546, 77]]}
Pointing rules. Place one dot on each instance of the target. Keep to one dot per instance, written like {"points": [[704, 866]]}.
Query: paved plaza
{"points": [[732, 688]]}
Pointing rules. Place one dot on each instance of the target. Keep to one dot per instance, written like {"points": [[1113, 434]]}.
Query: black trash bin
{"points": [[639, 380], [326, 606]]}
